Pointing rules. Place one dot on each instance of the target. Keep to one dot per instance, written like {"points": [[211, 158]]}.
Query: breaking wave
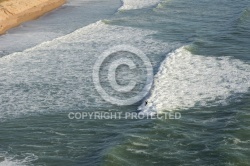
{"points": [[57, 75], [185, 80]]}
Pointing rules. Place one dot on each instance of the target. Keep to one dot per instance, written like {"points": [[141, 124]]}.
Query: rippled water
{"points": [[199, 51]]}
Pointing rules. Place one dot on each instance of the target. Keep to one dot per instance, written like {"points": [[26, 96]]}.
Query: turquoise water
{"points": [[41, 85]]}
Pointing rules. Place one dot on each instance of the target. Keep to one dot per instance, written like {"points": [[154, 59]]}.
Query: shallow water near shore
{"points": [[200, 56], [75, 13]]}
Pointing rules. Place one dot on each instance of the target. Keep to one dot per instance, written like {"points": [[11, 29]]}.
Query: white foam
{"points": [[11, 161], [185, 80], [57, 75], [138, 4]]}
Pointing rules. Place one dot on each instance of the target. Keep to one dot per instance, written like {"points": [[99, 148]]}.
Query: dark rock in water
{"points": [[2, 158]]}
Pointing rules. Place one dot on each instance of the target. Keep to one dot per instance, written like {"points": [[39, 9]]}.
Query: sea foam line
{"points": [[138, 4], [11, 161], [56, 75], [185, 80]]}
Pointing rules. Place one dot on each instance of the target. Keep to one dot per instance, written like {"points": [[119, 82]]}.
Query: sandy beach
{"points": [[15, 12]]}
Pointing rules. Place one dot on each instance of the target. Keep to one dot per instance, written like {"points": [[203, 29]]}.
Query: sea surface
{"points": [[200, 56]]}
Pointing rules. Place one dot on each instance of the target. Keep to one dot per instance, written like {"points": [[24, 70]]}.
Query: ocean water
{"points": [[199, 51]]}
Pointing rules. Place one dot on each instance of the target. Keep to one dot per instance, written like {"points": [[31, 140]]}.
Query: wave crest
{"points": [[138, 4], [185, 80]]}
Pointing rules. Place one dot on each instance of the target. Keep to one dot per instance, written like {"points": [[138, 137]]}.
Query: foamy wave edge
{"points": [[185, 80], [138, 4], [11, 161], [66, 96]]}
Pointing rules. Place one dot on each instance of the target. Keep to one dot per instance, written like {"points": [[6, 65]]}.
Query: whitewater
{"points": [[201, 69]]}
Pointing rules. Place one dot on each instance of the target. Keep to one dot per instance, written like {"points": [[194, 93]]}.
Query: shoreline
{"points": [[15, 12], [54, 24]]}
